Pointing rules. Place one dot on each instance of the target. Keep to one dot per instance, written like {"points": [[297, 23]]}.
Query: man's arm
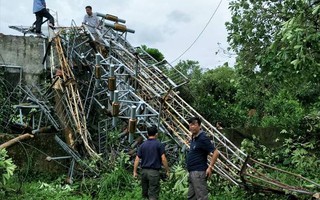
{"points": [[135, 166], [214, 157], [165, 163]]}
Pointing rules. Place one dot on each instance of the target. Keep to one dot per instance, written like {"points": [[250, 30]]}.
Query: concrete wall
{"points": [[23, 51]]}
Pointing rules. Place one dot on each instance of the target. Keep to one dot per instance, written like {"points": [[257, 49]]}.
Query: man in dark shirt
{"points": [[152, 154], [197, 164]]}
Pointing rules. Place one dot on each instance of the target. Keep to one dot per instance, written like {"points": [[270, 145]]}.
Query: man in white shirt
{"points": [[91, 20]]}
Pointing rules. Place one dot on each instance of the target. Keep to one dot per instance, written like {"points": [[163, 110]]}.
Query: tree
{"points": [[193, 71], [211, 93], [215, 98], [155, 53], [277, 48]]}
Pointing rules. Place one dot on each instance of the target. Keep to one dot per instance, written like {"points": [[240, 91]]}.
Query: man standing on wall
{"points": [[40, 10], [152, 154], [197, 164]]}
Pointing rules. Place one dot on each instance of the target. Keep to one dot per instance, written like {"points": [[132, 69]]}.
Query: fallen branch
{"points": [[15, 140]]}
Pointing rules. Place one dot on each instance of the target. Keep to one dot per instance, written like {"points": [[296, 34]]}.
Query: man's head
{"points": [[152, 131], [89, 10], [194, 125]]}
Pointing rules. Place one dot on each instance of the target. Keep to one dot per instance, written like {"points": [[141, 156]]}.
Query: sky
{"points": [[179, 29]]}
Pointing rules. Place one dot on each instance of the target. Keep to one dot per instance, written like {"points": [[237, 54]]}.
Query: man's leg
{"points": [[47, 15], [191, 193], [199, 183], [38, 22], [154, 184], [144, 183]]}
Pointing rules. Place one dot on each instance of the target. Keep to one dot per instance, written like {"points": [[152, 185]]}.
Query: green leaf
{"points": [[316, 10]]}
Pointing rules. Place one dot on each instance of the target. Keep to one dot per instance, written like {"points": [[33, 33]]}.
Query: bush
{"points": [[7, 167]]}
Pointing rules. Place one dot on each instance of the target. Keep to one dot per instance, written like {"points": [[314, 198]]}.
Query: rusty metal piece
{"points": [[112, 83], [112, 18], [132, 125], [97, 72], [115, 109], [120, 27]]}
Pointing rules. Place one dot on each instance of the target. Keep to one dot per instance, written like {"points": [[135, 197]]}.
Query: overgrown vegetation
{"points": [[117, 183]]}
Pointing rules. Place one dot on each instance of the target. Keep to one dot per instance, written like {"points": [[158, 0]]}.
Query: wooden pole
{"points": [[15, 140]]}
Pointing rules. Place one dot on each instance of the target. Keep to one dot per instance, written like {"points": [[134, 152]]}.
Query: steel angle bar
{"points": [[128, 102], [47, 112], [224, 167], [157, 77], [49, 158], [146, 121], [228, 161], [180, 75], [79, 44], [71, 170], [102, 92], [148, 115], [89, 96], [226, 175], [73, 154], [260, 176], [123, 49], [101, 59], [150, 89], [102, 40], [278, 185], [99, 103], [123, 86], [67, 149], [298, 176]]}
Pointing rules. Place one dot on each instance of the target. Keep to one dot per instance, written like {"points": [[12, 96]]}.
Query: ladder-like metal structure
{"points": [[101, 73]]}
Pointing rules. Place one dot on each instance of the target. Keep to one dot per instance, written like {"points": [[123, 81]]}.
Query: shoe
{"points": [[32, 29], [40, 35], [51, 26]]}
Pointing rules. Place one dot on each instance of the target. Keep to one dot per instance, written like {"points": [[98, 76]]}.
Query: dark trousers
{"points": [[150, 182], [197, 186], [39, 17]]}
